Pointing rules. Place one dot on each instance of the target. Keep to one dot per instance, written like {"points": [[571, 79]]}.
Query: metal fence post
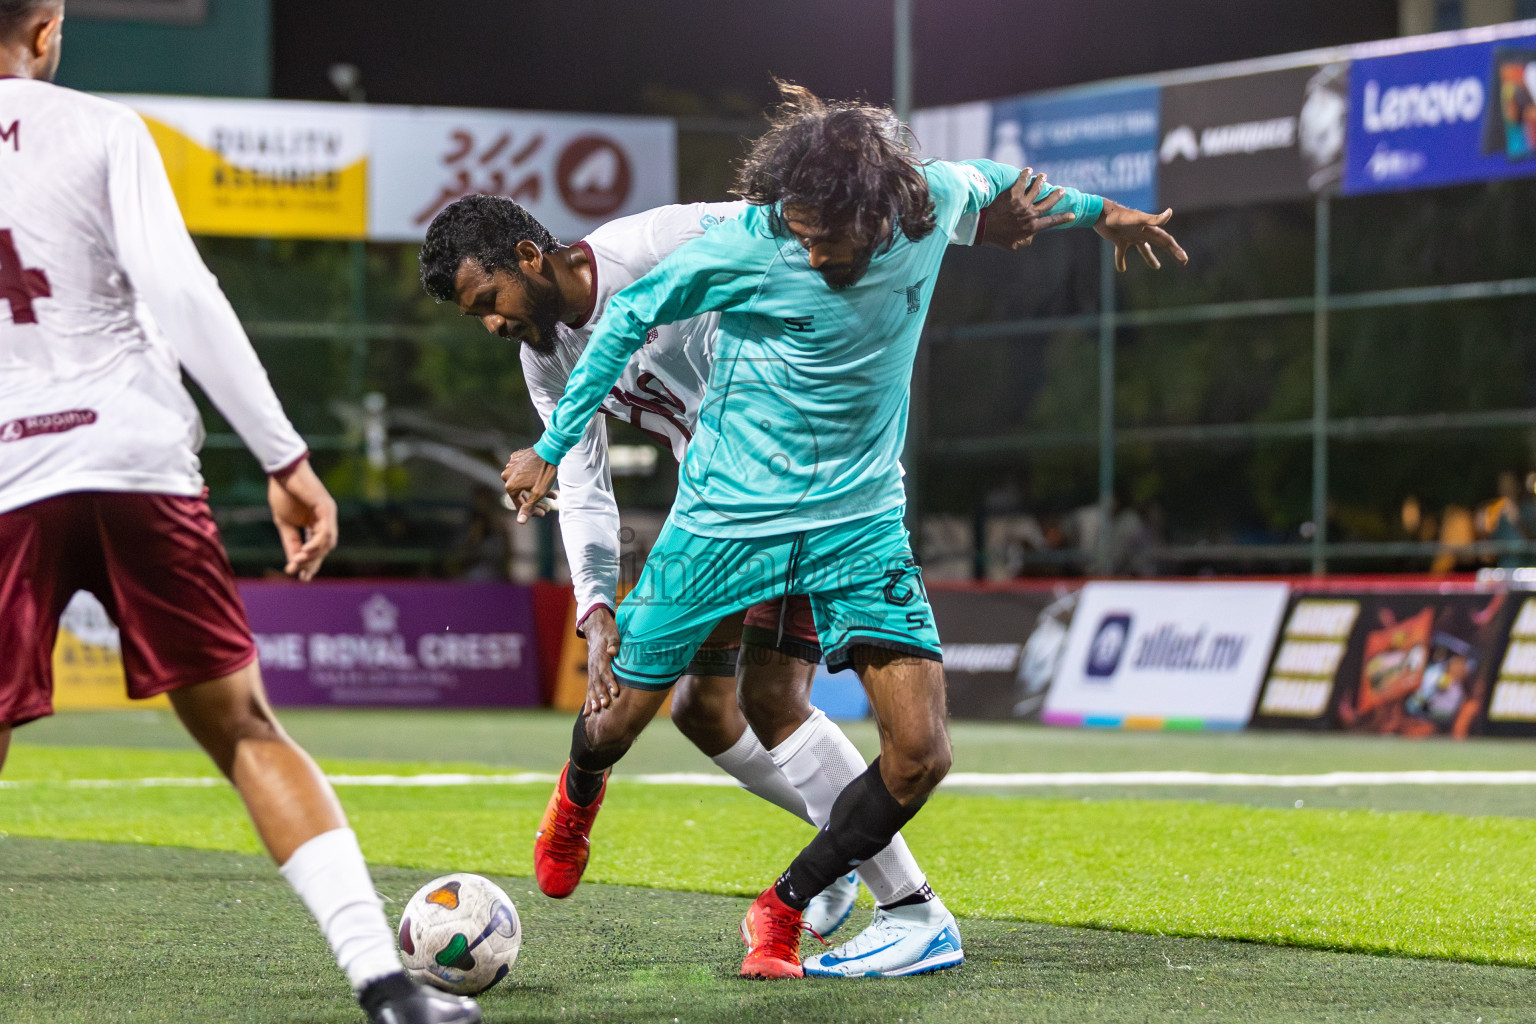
{"points": [[1102, 557], [1320, 390]]}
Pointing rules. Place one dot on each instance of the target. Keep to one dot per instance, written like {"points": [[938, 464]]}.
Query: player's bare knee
{"points": [[918, 768]]}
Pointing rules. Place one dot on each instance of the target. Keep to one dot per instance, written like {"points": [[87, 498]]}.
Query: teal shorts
{"points": [[864, 585]]}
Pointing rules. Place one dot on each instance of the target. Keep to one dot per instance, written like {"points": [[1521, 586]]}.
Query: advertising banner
{"points": [[88, 661], [1411, 664], [256, 167], [1166, 655], [389, 643], [572, 172], [1443, 117], [1001, 647], [1253, 138], [1512, 708], [281, 169], [1101, 140]]}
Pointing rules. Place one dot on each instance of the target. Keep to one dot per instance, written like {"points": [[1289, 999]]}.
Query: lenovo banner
{"points": [[1001, 646], [1166, 655], [1443, 117], [1412, 664], [395, 643], [1102, 140], [1252, 138]]}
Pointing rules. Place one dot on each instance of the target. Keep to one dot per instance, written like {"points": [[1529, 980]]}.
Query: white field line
{"points": [[957, 780]]}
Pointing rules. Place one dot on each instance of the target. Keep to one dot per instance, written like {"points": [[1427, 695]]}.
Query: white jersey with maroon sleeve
{"points": [[660, 392], [103, 298]]}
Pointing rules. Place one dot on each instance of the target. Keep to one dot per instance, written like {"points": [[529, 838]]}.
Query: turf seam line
{"points": [[957, 780]]}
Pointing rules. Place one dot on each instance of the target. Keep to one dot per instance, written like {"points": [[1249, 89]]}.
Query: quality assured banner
{"points": [[395, 644], [1253, 138], [1410, 664], [1443, 117], [280, 169], [263, 168], [1102, 140], [1166, 655]]}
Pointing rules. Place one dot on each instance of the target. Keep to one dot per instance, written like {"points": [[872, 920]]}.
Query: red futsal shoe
{"points": [[771, 931], [561, 847]]}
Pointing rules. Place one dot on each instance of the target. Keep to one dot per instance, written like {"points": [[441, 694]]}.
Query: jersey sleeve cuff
{"points": [[282, 473], [547, 450], [582, 621]]}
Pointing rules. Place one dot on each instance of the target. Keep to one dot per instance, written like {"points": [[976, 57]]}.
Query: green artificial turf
{"points": [[1423, 884], [107, 934]]}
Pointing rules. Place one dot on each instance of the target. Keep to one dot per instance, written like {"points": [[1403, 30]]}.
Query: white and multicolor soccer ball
{"points": [[460, 933]]}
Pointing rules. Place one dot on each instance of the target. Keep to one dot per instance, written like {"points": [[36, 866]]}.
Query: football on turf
{"points": [[460, 933]]}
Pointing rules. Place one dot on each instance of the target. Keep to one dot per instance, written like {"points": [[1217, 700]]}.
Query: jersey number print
{"points": [[18, 285]]}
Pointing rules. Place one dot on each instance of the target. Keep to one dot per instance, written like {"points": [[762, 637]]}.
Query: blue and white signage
{"points": [[1443, 117], [1166, 655], [1100, 140]]}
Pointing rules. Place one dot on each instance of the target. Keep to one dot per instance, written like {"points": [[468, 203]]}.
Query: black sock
{"points": [[865, 818], [922, 895], [588, 767]]}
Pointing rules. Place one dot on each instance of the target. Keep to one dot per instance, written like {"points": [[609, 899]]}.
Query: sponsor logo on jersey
{"points": [[800, 324], [48, 423], [914, 294]]}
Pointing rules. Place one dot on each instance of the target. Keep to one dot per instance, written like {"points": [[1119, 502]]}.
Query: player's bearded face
{"points": [[511, 304], [541, 310], [834, 255]]}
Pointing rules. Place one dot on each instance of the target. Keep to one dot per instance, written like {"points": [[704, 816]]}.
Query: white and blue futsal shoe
{"points": [[918, 939], [832, 906]]}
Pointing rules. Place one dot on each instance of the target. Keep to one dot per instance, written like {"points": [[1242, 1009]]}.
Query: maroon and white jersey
{"points": [[103, 298], [660, 392]]}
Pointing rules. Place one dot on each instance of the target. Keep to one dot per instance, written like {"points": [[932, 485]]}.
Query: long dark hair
{"points": [[845, 161]]}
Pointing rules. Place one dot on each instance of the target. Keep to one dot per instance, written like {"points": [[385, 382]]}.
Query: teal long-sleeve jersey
{"points": [[805, 416]]}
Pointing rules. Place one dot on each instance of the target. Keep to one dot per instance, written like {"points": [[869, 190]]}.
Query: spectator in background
{"points": [[1500, 518], [1458, 531]]}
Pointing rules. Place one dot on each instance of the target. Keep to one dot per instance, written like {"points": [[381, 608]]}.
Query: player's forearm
{"points": [[169, 277], [213, 348], [599, 368], [1085, 207]]}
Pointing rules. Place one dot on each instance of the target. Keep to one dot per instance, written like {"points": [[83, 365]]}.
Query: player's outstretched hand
{"points": [[305, 514], [602, 647], [1019, 214], [1132, 229], [528, 479]]}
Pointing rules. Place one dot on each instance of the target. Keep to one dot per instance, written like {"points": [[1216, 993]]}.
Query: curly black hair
{"points": [[846, 161], [13, 13], [482, 229]]}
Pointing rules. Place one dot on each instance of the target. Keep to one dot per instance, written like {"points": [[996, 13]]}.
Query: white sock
{"points": [[750, 764], [819, 762], [330, 876]]}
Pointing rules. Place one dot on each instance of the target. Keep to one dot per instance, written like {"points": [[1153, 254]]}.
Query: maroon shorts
{"points": [[156, 564], [759, 627]]}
